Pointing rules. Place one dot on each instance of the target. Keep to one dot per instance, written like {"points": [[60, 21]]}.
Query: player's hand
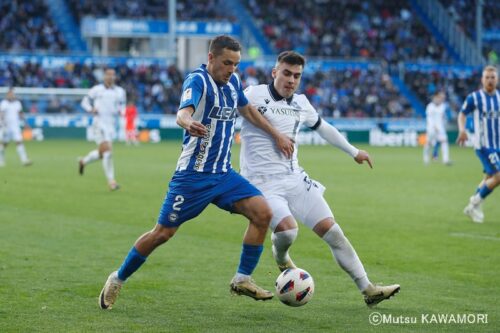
{"points": [[363, 156], [285, 145], [462, 138], [195, 128], [94, 111]]}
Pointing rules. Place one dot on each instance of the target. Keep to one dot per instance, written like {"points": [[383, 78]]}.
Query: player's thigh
{"points": [[188, 195], [280, 209], [307, 203], [232, 192], [15, 134], [490, 159]]}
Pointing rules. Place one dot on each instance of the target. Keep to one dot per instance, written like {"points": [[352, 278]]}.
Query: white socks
{"points": [[342, 250], [107, 165], [22, 153], [2, 155], [346, 256], [91, 157], [446, 152], [281, 243], [426, 153]]}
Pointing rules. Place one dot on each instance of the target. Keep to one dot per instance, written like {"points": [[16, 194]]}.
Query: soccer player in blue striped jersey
{"points": [[211, 96], [484, 105]]}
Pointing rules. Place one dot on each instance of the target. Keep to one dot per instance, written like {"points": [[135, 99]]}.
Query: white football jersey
{"points": [[436, 116], [10, 113], [259, 154], [108, 102]]}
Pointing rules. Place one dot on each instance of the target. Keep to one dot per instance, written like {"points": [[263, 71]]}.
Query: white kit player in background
{"points": [[106, 102], [435, 114], [287, 187], [11, 114]]}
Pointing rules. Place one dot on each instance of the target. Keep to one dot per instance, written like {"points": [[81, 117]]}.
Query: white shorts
{"points": [[102, 134], [8, 134], [436, 135], [296, 195]]}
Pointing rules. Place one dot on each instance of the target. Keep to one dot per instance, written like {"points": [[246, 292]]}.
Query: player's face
{"points": [[109, 77], [10, 95], [222, 66], [489, 80], [287, 79]]}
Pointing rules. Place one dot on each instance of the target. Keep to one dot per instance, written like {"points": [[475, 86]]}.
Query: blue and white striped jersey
{"points": [[485, 109], [215, 107]]}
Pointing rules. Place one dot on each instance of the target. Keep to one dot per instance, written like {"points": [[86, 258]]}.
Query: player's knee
{"points": [[161, 234], [262, 216]]}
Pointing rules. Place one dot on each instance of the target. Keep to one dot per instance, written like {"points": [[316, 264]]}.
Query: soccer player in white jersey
{"points": [[11, 113], [287, 187], [484, 105], [435, 113], [211, 96], [105, 102]]}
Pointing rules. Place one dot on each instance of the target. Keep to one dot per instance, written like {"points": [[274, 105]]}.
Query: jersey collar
{"points": [[276, 96]]}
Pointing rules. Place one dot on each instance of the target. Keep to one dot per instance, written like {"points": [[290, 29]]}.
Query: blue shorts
{"points": [[490, 158], [189, 193]]}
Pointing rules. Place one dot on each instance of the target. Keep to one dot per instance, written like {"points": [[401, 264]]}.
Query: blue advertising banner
{"points": [[92, 27]]}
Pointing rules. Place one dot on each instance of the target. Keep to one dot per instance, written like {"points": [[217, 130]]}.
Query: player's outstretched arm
{"points": [[186, 121], [283, 142], [462, 134], [333, 137]]}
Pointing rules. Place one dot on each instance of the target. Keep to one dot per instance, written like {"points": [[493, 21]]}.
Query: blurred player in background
{"points": [[436, 128], [484, 105], [11, 115], [287, 187], [211, 96], [105, 102], [131, 123]]}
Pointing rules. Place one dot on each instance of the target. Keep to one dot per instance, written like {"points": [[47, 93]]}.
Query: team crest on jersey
{"points": [[187, 94]]}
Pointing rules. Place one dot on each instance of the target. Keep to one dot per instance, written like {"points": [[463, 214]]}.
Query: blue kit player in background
{"points": [[211, 96], [484, 105]]}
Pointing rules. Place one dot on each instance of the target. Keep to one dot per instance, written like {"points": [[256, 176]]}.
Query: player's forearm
{"points": [[333, 137], [461, 122], [253, 116], [184, 118], [86, 104]]}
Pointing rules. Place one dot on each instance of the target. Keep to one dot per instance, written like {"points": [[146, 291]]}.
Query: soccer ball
{"points": [[294, 287]]}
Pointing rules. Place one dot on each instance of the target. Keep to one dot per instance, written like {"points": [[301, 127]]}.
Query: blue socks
{"points": [[132, 262], [250, 256], [484, 191]]}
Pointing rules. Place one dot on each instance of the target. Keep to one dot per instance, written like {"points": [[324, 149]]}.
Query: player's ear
{"points": [[273, 72], [210, 56]]}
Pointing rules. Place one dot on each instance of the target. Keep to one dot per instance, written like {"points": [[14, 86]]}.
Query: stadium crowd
{"points": [[347, 28], [151, 9], [156, 89], [26, 25], [455, 84], [463, 13]]}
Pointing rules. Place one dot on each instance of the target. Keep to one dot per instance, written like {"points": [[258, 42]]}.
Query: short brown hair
{"points": [[291, 58], [490, 68], [219, 43]]}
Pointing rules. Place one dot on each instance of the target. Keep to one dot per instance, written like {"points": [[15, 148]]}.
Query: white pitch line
{"points": [[459, 234]]}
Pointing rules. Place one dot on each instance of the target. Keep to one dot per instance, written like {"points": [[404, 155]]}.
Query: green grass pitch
{"points": [[62, 234]]}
